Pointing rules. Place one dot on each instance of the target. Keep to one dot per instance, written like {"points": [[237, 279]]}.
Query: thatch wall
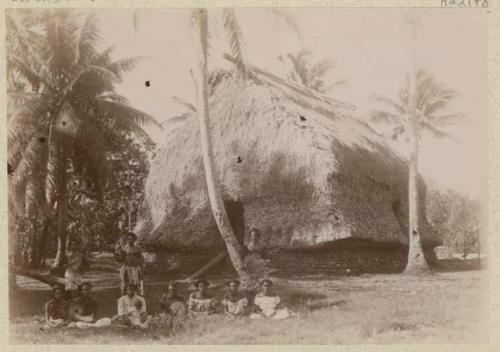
{"points": [[303, 168]]}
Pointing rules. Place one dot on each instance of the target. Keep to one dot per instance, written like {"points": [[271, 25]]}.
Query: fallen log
{"points": [[218, 259], [47, 279]]}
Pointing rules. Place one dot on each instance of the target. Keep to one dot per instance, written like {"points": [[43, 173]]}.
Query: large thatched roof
{"points": [[303, 168]]}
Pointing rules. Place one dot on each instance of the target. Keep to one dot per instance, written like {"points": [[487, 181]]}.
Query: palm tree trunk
{"points": [[214, 193], [416, 260], [60, 259]]}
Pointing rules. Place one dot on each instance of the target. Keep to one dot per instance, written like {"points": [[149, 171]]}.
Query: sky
{"points": [[371, 49]]}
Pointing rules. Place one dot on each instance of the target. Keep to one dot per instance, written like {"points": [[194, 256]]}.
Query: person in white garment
{"points": [[267, 304]]}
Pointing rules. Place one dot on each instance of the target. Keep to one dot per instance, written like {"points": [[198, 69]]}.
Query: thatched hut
{"points": [[293, 163]]}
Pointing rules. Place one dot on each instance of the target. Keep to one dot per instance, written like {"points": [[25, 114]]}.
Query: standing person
{"points": [[132, 259], [201, 302], [56, 310], [234, 302], [73, 273]]}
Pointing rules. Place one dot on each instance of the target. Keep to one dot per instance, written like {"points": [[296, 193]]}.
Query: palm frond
{"points": [[400, 109], [321, 68], [288, 19], [35, 103], [184, 103], [105, 73], [300, 66], [125, 65], [34, 153], [379, 116], [436, 132], [435, 106], [336, 84], [445, 120], [119, 111], [235, 36], [113, 97], [180, 118], [61, 31], [199, 22], [87, 39], [23, 69]]}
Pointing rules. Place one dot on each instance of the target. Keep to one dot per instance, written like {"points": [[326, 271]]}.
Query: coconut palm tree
{"points": [[426, 103], [68, 117], [310, 75], [200, 22]]}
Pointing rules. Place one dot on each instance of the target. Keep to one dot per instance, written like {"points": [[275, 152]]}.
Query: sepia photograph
{"points": [[247, 176]]}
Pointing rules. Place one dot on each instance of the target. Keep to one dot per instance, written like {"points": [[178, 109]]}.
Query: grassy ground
{"points": [[447, 307]]}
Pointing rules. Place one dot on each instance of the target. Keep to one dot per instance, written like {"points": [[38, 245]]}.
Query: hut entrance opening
{"points": [[396, 208], [236, 214]]}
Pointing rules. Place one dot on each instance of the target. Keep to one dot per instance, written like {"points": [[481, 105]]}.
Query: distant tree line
{"points": [[457, 218]]}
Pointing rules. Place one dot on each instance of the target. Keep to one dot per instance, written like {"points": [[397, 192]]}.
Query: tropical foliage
{"points": [[311, 75], [433, 99], [65, 119], [457, 218]]}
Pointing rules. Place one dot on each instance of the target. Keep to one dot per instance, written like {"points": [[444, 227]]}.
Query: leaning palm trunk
{"points": [[214, 193]]}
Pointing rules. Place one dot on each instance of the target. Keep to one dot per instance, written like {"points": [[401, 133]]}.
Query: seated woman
{"points": [[200, 302], [57, 309], [137, 317], [84, 310], [267, 304], [234, 302], [170, 307]]}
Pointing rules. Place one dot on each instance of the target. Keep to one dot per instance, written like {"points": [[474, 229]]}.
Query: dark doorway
{"points": [[236, 214]]}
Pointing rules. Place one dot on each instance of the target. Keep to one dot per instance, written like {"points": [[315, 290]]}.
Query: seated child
{"points": [[234, 302], [267, 304]]}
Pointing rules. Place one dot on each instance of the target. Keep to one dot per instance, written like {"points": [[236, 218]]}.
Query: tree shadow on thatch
{"points": [[280, 181]]}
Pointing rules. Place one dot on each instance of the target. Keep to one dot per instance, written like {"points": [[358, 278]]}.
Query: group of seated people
{"points": [[81, 311], [265, 304]]}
